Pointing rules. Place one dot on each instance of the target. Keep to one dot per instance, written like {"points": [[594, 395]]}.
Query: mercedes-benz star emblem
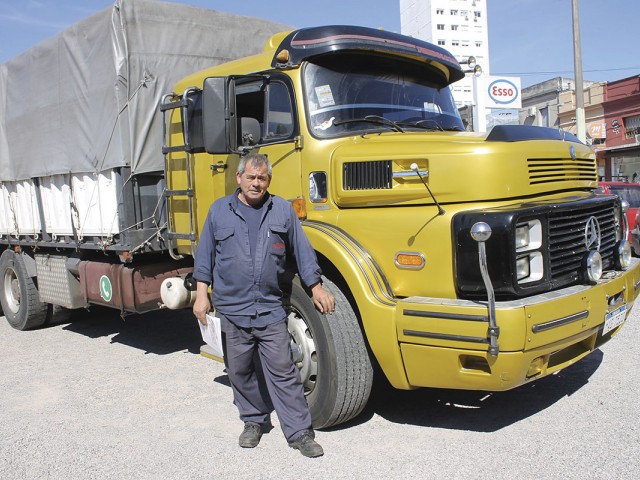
{"points": [[592, 236], [572, 152]]}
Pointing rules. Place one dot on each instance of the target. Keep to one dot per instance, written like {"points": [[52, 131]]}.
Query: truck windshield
{"points": [[350, 93]]}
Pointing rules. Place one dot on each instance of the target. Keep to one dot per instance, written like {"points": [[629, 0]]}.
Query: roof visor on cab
{"points": [[310, 42]]}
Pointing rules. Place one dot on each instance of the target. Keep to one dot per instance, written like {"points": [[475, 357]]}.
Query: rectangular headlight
{"points": [[528, 235], [522, 267], [529, 268], [522, 236]]}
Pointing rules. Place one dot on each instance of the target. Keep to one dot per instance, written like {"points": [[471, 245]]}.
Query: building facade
{"points": [[593, 101], [612, 118], [621, 153], [541, 102], [459, 26]]}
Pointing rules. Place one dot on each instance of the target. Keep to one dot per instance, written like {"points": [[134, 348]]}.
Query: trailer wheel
{"points": [[18, 294], [332, 357]]}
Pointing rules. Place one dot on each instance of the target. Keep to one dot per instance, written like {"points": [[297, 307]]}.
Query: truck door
{"points": [[243, 114], [265, 109]]}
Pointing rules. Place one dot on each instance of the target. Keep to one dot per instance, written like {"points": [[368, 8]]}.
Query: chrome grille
{"points": [[566, 238], [367, 175], [554, 170]]}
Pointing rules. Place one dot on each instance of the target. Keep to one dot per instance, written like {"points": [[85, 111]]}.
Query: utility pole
{"points": [[577, 66]]}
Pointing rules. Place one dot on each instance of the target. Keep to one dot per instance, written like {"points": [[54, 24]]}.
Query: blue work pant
{"points": [[281, 376]]}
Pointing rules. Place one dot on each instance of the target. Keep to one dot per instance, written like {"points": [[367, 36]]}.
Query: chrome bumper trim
{"points": [[541, 327]]}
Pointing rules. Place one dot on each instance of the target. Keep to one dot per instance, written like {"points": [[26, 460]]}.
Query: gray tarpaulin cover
{"points": [[87, 99]]}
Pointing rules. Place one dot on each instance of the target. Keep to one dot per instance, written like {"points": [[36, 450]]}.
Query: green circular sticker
{"points": [[106, 291]]}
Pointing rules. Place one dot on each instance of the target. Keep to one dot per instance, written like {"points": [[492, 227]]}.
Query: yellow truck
{"points": [[459, 260]]}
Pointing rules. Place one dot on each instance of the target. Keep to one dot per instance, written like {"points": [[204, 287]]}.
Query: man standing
{"points": [[242, 254]]}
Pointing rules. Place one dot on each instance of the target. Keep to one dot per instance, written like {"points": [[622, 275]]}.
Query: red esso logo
{"points": [[503, 91]]}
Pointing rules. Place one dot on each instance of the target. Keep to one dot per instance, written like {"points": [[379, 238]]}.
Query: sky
{"points": [[532, 39]]}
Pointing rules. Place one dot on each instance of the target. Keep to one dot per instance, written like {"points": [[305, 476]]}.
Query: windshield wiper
{"points": [[373, 119], [433, 125]]}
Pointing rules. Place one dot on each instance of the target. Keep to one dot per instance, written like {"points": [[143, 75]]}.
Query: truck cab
{"points": [[460, 260]]}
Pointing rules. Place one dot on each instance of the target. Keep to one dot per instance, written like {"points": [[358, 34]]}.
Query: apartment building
{"points": [[459, 26]]}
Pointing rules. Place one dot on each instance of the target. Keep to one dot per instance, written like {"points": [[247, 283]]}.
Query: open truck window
{"points": [[268, 102]]}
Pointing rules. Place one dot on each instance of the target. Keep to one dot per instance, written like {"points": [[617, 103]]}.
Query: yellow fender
{"points": [[370, 290]]}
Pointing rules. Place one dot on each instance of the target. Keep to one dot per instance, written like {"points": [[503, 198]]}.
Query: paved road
{"points": [[98, 397]]}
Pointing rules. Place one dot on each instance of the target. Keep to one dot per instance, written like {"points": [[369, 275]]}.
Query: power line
{"points": [[557, 72]]}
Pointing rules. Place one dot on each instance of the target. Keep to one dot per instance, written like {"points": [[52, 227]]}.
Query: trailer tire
{"points": [[331, 354], [18, 294]]}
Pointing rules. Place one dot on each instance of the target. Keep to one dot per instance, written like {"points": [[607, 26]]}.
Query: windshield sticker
{"points": [[325, 97], [326, 124], [432, 107]]}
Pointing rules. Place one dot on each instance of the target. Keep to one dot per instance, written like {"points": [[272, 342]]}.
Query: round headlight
{"points": [[622, 255], [593, 266]]}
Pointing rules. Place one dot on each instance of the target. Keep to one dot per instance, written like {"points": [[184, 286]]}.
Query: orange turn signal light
{"points": [[283, 56], [412, 260], [300, 207]]}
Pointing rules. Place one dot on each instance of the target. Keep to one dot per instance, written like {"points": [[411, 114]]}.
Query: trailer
{"points": [[82, 191]]}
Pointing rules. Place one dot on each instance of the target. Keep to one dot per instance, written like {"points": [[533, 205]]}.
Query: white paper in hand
{"points": [[212, 335]]}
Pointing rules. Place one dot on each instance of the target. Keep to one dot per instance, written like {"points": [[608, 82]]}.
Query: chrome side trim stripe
{"points": [[446, 316], [349, 244], [444, 336], [541, 327]]}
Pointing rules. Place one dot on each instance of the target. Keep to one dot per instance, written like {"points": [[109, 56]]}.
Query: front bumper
{"points": [[444, 343]]}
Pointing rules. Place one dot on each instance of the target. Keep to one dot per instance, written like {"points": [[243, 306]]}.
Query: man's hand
{"points": [[323, 299], [202, 305]]}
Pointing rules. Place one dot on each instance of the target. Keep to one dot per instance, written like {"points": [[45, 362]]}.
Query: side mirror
{"points": [[218, 116]]}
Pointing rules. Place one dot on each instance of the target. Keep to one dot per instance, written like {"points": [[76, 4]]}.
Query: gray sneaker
{"points": [[250, 436], [307, 445]]}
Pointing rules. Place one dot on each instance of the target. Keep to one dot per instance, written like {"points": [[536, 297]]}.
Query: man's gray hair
{"points": [[255, 160]]}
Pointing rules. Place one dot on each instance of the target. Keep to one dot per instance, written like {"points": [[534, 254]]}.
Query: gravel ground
{"points": [[99, 397]]}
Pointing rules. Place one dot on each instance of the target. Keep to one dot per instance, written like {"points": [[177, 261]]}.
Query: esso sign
{"points": [[503, 91]]}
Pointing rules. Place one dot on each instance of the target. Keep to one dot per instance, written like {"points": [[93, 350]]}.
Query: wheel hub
{"points": [[304, 350], [12, 290]]}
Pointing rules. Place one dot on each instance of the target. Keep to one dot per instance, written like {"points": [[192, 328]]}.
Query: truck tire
{"points": [[331, 354], [18, 294]]}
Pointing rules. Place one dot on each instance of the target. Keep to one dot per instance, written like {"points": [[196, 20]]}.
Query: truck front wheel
{"points": [[18, 294], [332, 357]]}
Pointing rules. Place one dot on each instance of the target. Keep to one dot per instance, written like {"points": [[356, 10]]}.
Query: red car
{"points": [[631, 193]]}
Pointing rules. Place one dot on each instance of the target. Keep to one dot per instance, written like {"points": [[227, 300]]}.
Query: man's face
{"points": [[253, 184]]}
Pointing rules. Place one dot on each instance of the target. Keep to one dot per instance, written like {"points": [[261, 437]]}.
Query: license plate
{"points": [[614, 319]]}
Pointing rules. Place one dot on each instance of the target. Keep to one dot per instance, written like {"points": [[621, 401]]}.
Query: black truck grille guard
{"points": [[566, 237]]}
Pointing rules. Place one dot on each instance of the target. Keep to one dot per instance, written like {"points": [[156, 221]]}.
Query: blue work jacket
{"points": [[242, 284]]}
